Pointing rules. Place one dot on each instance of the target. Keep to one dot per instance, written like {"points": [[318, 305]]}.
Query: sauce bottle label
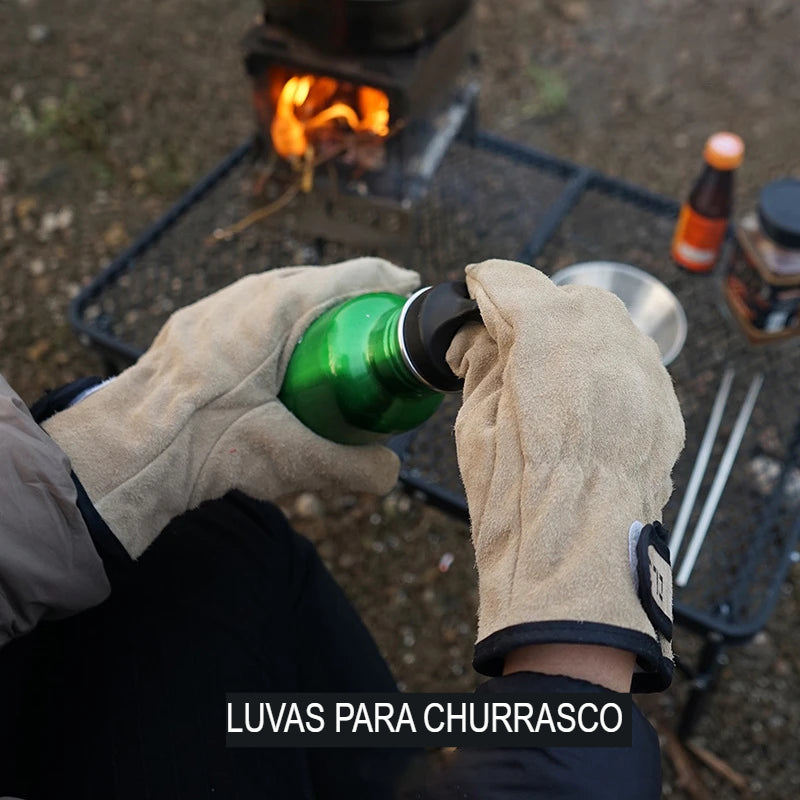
{"points": [[697, 239]]}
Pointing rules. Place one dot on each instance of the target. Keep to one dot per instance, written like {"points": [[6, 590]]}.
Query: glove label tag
{"points": [[655, 577]]}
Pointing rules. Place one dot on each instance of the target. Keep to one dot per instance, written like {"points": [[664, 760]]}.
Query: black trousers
{"points": [[127, 700]]}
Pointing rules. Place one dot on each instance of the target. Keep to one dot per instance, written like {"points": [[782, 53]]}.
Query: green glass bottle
{"points": [[375, 365]]}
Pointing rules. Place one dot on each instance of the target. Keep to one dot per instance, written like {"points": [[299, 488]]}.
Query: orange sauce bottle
{"points": [[705, 215]]}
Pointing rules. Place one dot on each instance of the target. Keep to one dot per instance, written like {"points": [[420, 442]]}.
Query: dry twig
{"points": [[688, 777], [304, 182], [226, 234], [720, 767]]}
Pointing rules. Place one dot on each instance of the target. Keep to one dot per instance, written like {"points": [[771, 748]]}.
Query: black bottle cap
{"points": [[432, 319], [779, 212]]}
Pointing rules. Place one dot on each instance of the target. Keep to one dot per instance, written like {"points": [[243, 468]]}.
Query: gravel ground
{"points": [[106, 114]]}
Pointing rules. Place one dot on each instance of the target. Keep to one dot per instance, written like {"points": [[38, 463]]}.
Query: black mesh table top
{"points": [[492, 198]]}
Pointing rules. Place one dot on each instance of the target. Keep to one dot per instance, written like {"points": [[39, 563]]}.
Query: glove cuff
{"points": [[490, 653]]}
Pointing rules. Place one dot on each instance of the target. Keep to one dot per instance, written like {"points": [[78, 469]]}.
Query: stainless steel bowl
{"points": [[654, 309]]}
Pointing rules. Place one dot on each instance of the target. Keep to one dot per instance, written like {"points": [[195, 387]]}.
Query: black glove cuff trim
{"points": [[56, 400], [490, 652]]}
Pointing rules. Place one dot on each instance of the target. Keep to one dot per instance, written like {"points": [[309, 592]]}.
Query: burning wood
{"points": [[313, 115]]}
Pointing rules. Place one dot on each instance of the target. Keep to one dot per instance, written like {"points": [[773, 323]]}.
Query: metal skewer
{"points": [[699, 469], [720, 479]]}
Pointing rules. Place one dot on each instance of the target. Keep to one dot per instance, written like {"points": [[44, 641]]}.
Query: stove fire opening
{"points": [[314, 116]]}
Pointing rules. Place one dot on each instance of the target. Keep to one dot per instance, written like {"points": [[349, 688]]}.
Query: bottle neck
{"points": [[387, 359], [712, 194]]}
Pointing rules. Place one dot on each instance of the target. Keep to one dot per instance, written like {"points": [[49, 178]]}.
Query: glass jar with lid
{"points": [[762, 269]]}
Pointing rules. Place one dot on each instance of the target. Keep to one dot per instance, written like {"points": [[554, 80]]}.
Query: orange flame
{"points": [[307, 104]]}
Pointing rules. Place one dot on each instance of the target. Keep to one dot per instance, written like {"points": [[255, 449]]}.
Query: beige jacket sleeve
{"points": [[49, 566]]}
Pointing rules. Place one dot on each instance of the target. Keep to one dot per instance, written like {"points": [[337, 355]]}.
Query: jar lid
{"points": [[779, 212]]}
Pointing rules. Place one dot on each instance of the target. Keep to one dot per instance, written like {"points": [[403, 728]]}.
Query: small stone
{"points": [[575, 11], [762, 639], [48, 225], [346, 560], [37, 267], [389, 505], [43, 286], [37, 350], [309, 506], [776, 721], [115, 236], [764, 472], [25, 207], [681, 140], [53, 221], [17, 93], [782, 668], [166, 304], [38, 33], [137, 173], [65, 217], [80, 69]]}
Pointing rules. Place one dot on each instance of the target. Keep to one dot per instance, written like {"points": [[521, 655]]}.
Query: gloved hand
{"points": [[198, 414], [567, 435]]}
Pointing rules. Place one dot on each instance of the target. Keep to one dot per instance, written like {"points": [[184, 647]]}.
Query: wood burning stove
{"points": [[361, 26], [373, 90]]}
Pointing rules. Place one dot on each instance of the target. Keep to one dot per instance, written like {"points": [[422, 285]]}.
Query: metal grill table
{"points": [[493, 198]]}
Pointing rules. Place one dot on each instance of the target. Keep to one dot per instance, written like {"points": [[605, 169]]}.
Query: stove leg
{"points": [[705, 680]]}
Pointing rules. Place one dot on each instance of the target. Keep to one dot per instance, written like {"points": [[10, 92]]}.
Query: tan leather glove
{"points": [[567, 436], [198, 414]]}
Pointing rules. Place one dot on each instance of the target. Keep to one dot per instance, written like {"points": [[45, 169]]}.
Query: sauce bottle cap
{"points": [[724, 151]]}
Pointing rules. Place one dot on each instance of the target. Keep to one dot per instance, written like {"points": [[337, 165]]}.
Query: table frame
{"points": [[716, 633]]}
